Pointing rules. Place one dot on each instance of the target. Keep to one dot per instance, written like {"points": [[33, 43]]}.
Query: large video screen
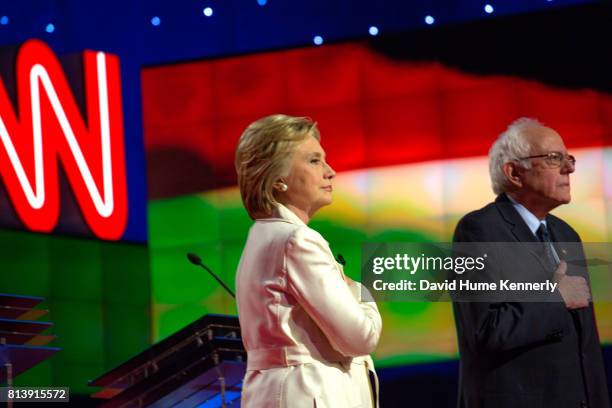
{"points": [[408, 139]]}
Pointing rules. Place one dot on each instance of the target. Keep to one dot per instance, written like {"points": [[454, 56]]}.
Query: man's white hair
{"points": [[510, 146]]}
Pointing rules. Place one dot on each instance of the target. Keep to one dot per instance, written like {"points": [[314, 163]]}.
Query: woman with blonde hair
{"points": [[307, 334]]}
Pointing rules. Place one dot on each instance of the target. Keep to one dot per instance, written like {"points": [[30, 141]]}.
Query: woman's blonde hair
{"points": [[263, 155]]}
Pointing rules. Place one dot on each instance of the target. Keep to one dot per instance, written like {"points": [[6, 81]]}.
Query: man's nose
{"points": [[567, 166]]}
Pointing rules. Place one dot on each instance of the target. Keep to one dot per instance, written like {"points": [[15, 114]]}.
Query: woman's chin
{"points": [[321, 204]]}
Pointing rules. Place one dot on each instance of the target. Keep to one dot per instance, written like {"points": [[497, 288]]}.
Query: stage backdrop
{"points": [[96, 284], [408, 140]]}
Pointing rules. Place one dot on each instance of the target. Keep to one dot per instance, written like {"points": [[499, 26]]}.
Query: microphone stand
{"points": [[196, 260]]}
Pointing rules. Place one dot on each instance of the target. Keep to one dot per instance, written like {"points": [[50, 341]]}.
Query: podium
{"points": [[201, 365], [22, 342]]}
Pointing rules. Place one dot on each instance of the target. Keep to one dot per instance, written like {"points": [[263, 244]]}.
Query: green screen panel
{"points": [[75, 269], [41, 375], [126, 277], [79, 328], [234, 219], [98, 296], [24, 259], [176, 280], [169, 319], [76, 374], [416, 332], [183, 220], [127, 331]]}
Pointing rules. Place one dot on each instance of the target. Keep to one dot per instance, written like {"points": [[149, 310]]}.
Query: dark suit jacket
{"points": [[522, 354]]}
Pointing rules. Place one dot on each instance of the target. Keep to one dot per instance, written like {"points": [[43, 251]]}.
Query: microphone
{"points": [[340, 259], [196, 260]]}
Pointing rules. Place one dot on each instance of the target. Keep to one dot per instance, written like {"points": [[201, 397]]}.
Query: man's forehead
{"points": [[544, 137]]}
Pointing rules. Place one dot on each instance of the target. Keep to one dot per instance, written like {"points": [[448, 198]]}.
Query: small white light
{"points": [[208, 11], [262, 2], [373, 30], [4, 20], [488, 8], [429, 20], [318, 40], [156, 21], [50, 28]]}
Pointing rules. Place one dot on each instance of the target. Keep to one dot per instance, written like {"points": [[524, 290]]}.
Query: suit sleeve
{"points": [[505, 326], [366, 302], [314, 279]]}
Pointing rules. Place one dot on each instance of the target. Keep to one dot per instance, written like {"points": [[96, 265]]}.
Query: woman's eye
{"points": [[315, 161]]}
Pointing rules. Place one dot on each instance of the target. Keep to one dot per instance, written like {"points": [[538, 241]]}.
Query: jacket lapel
{"points": [[555, 236], [519, 229], [559, 241]]}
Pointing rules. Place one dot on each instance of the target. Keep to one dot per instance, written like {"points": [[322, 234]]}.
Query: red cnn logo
{"points": [[48, 129]]}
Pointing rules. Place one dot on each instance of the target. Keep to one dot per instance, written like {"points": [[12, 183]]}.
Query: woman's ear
{"points": [[513, 173]]}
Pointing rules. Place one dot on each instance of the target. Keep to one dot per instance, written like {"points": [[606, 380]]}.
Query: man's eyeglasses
{"points": [[554, 159]]}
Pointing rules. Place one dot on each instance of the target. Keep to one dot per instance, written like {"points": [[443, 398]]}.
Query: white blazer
{"points": [[307, 336]]}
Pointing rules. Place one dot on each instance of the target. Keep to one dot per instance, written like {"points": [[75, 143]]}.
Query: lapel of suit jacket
{"points": [[519, 228], [566, 246], [558, 234], [560, 239], [555, 235]]}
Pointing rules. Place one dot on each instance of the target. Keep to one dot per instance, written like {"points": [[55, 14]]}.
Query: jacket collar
{"points": [[283, 213], [519, 228], [530, 219]]}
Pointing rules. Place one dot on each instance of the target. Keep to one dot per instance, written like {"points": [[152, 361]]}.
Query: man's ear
{"points": [[513, 173]]}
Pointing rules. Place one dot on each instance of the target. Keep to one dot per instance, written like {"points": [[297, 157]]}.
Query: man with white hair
{"points": [[529, 354]]}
